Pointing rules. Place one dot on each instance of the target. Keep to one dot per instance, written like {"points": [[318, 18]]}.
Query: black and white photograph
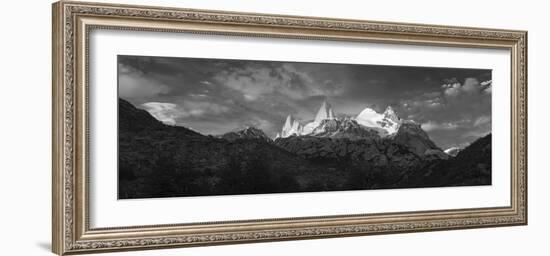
{"points": [[204, 127], [275, 127]]}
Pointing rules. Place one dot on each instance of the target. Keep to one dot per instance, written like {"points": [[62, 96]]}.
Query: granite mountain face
{"points": [[248, 133], [371, 138], [384, 124], [371, 150]]}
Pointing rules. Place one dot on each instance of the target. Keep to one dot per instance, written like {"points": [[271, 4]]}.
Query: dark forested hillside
{"points": [[157, 160], [472, 166]]}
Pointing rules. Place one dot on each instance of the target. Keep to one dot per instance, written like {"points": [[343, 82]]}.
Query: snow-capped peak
{"points": [[325, 112], [291, 127], [368, 117], [386, 123], [390, 114], [288, 123]]}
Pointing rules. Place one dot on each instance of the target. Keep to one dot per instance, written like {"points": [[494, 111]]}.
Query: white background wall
{"points": [[25, 101]]}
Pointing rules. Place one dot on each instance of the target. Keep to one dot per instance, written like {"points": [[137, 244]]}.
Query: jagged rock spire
{"points": [[291, 127], [389, 113], [385, 124], [288, 124], [325, 112]]}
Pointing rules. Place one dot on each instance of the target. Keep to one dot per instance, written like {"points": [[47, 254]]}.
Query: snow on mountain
{"points": [[386, 123], [291, 127], [386, 130], [368, 117], [390, 115], [343, 128], [294, 127], [309, 128], [325, 112]]}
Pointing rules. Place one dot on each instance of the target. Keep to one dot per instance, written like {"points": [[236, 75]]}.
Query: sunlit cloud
{"points": [[164, 112]]}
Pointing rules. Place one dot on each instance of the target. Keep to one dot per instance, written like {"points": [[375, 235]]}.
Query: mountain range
{"points": [[384, 124], [370, 135], [329, 153]]}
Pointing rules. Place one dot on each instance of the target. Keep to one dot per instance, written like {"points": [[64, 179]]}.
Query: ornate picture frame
{"points": [[72, 24]]}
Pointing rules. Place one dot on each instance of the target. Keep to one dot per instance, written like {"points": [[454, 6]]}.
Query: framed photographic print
{"points": [[178, 127]]}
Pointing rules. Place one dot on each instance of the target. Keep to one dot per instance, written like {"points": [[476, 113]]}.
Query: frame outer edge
{"points": [[525, 111], [57, 245], [65, 239]]}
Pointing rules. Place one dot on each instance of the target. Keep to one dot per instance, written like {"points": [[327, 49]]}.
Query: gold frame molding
{"points": [[72, 22]]}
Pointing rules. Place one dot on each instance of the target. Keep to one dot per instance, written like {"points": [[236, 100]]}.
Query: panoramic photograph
{"points": [[212, 127]]}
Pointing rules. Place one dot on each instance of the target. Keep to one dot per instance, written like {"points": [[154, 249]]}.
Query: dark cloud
{"points": [[214, 96]]}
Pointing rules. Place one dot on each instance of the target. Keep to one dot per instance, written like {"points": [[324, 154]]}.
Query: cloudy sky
{"points": [[215, 96]]}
